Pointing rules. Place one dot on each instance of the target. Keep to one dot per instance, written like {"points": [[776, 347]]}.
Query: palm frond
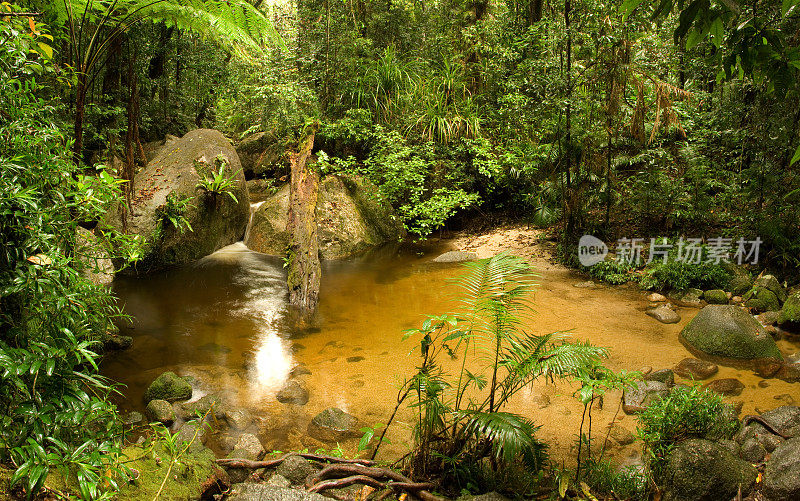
{"points": [[512, 436]]}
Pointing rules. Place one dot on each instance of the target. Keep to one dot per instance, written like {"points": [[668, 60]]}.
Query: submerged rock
{"points": [[168, 386], [350, 219], [692, 368], [293, 392], [333, 424], [729, 387], [664, 314], [455, 257], [666, 376], [727, 331], [247, 447], [701, 470], [216, 219]]}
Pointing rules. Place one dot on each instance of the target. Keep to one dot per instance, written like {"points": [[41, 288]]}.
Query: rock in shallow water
{"points": [[729, 387], [639, 396], [168, 386], [161, 411], [664, 314], [293, 392], [692, 368], [333, 425], [455, 257]]}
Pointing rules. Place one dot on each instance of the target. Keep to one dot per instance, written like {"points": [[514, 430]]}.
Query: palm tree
{"points": [[94, 26]]}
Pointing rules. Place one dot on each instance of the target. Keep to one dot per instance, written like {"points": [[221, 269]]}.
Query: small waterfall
{"points": [[253, 208]]}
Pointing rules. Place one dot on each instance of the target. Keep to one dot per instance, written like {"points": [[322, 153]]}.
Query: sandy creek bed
{"points": [[222, 321]]}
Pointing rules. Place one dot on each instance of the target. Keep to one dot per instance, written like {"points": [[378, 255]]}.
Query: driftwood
{"points": [[342, 472]]}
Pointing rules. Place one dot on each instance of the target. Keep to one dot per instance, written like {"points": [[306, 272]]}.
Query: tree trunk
{"points": [[534, 12], [568, 148], [80, 111], [304, 270]]}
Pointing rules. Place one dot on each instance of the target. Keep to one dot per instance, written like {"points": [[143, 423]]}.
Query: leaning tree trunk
{"points": [[303, 265]]}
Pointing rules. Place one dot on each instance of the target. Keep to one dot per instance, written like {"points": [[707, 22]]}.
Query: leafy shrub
{"points": [[614, 272], [681, 276], [55, 411], [625, 483], [691, 412]]}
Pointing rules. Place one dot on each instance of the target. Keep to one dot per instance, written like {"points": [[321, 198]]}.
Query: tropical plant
{"points": [[460, 417], [219, 180]]}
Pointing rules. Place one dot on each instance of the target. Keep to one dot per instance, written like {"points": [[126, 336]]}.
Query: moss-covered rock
{"points": [[729, 332], [351, 219], [263, 155], [161, 411], [701, 470], [216, 219], [170, 387], [194, 475], [768, 298], [773, 285], [790, 312], [739, 285], [715, 296]]}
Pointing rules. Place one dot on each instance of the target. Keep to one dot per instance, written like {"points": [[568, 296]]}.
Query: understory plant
{"points": [[463, 432]]}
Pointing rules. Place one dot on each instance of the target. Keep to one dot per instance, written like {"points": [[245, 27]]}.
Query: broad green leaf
{"points": [[796, 156], [717, 32], [628, 6]]}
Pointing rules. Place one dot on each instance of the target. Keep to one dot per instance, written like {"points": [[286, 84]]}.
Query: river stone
{"points": [[785, 419], [689, 296], [296, 469], [715, 296], [640, 395], [664, 314], [655, 297], [202, 407], [116, 342], [739, 285], [238, 419], [772, 284], [350, 218], [299, 370], [665, 376], [790, 312], [728, 387], [782, 474], [455, 257], [264, 492], [333, 425], [752, 451], [247, 447], [701, 470], [769, 317], [132, 418], [168, 386], [293, 392], [216, 219], [768, 299], [756, 431], [161, 411], [94, 257], [789, 372], [727, 331], [692, 368]]}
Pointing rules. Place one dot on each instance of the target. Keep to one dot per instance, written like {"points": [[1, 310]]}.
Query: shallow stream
{"points": [[222, 320]]}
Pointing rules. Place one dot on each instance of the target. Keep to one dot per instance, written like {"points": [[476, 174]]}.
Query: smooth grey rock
{"points": [[665, 376], [238, 419], [264, 492], [333, 425], [247, 447], [640, 395], [293, 392], [664, 314]]}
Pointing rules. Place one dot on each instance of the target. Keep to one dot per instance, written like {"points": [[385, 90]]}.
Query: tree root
{"points": [[367, 475], [345, 472]]}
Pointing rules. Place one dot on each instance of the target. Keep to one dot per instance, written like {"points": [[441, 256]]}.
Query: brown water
{"points": [[223, 321]]}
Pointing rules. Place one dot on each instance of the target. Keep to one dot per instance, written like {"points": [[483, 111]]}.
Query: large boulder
{"points": [[701, 470], [790, 312], [171, 179], [351, 219], [729, 332], [782, 474], [263, 156], [95, 257]]}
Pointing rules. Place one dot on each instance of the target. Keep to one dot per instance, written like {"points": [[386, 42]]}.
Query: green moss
{"points": [[715, 296], [168, 386], [791, 309], [5, 483], [739, 285], [186, 477]]}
